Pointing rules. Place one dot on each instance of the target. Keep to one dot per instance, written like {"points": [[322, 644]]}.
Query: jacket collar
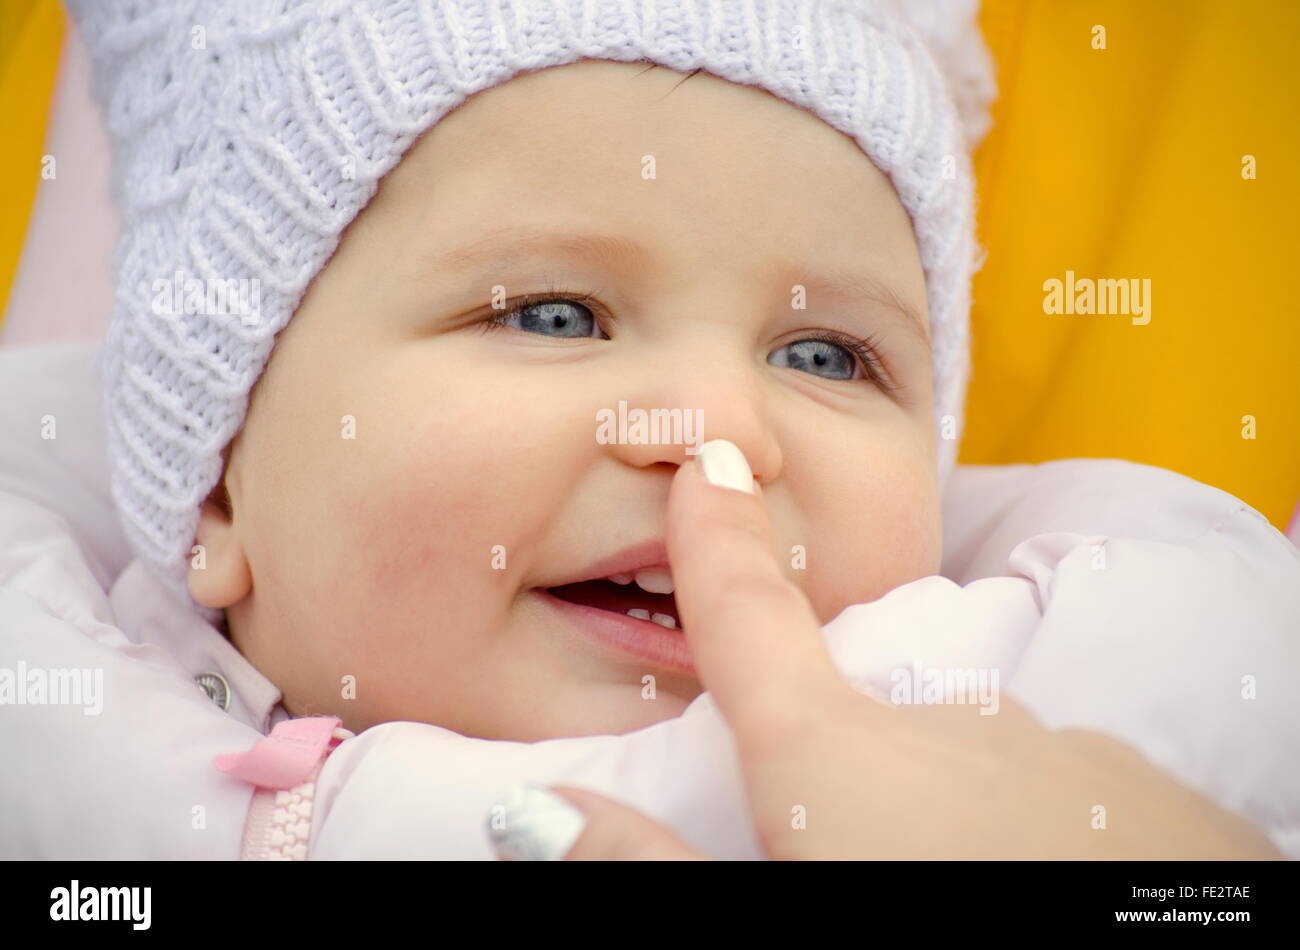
{"points": [[149, 613]]}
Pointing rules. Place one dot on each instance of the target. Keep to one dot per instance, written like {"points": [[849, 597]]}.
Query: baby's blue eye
{"points": [[814, 355], [566, 318], [826, 353]]}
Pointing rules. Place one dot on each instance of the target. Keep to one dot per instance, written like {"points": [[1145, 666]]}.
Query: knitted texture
{"points": [[249, 133]]}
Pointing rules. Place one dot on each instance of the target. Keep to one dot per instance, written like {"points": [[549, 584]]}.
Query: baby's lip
{"points": [[639, 557]]}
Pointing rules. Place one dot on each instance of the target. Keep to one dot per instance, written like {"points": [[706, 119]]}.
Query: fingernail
{"points": [[532, 823], [724, 465]]}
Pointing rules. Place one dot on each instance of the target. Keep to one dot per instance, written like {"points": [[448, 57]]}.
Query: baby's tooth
{"points": [[621, 578], [639, 613], [665, 620], [656, 582]]}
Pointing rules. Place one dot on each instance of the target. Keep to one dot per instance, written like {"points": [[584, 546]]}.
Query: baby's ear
{"points": [[219, 575]]}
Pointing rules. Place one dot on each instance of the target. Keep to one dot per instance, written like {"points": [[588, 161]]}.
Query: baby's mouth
{"points": [[622, 598]]}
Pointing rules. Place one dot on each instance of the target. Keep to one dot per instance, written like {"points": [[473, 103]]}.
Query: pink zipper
{"points": [[283, 768]]}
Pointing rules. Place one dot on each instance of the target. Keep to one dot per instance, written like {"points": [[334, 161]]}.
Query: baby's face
{"points": [[411, 478]]}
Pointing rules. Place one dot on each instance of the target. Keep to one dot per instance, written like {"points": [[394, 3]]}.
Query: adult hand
{"points": [[872, 780]]}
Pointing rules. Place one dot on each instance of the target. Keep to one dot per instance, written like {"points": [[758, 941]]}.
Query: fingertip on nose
{"points": [[725, 465]]}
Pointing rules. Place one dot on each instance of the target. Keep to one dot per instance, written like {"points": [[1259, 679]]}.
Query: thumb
{"points": [[537, 823]]}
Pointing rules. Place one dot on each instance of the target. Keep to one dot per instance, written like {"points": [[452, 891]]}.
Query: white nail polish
{"points": [[725, 465], [538, 825]]}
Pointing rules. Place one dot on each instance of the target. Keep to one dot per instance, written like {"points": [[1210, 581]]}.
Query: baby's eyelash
{"points": [[498, 319], [866, 350]]}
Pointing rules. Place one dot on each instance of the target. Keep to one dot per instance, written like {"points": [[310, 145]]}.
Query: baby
{"points": [[419, 484], [516, 274]]}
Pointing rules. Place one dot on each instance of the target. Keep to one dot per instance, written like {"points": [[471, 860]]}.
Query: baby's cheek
{"points": [[433, 525], [909, 527], [884, 532]]}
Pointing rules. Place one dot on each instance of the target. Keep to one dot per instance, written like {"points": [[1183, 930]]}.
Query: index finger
{"points": [[753, 635]]}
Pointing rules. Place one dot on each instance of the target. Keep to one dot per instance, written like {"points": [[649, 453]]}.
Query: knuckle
{"points": [[744, 520], [795, 727], [767, 592], [754, 600]]}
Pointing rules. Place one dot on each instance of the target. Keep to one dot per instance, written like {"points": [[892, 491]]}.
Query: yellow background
{"points": [[1116, 163], [31, 32], [1126, 162]]}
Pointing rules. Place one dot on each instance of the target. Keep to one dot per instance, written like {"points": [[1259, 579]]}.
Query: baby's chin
{"points": [[593, 710], [604, 709]]}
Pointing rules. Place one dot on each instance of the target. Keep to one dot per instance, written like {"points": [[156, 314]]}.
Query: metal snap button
{"points": [[216, 688]]}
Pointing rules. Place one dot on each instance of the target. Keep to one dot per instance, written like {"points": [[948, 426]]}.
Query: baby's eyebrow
{"points": [[851, 286], [503, 244], [507, 243]]}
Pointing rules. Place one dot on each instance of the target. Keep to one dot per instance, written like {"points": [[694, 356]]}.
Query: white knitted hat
{"points": [[249, 133]]}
